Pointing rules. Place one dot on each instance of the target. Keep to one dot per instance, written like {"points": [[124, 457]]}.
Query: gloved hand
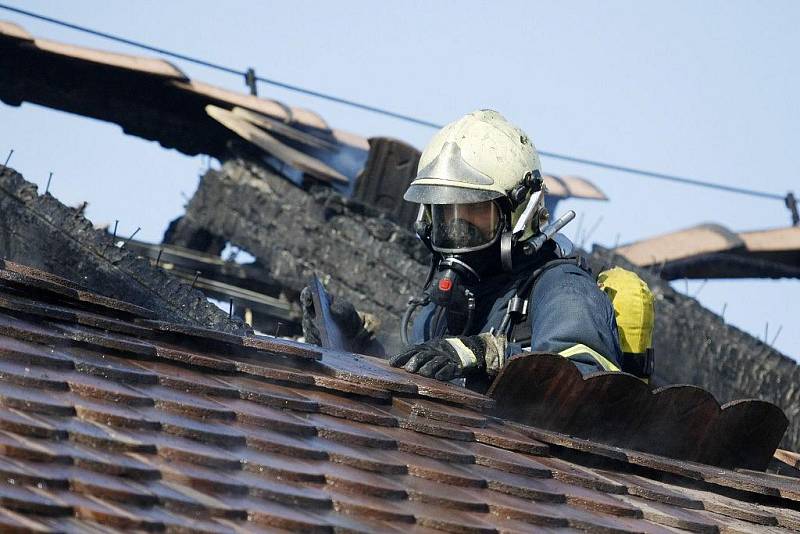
{"points": [[353, 325], [453, 357]]}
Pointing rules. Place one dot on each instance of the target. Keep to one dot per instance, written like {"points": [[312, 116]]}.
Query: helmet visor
{"points": [[463, 227]]}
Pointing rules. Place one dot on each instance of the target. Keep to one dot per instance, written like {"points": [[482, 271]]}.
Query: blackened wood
{"points": [[363, 257], [42, 233], [390, 167]]}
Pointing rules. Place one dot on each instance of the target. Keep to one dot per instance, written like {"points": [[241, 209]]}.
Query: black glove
{"points": [[453, 357], [349, 321]]}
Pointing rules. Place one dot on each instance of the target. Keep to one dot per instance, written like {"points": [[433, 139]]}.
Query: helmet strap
{"points": [[507, 251], [531, 183]]}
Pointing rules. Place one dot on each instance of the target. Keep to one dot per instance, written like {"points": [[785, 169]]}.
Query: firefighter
{"points": [[481, 194], [501, 280]]}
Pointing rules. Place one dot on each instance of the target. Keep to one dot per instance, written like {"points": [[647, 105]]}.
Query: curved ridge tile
{"points": [[681, 421], [745, 434]]}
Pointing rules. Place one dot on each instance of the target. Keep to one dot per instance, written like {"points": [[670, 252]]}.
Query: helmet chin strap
{"points": [[507, 251], [533, 183]]}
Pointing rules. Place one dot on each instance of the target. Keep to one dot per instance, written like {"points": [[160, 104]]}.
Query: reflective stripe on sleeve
{"points": [[467, 357], [576, 350]]}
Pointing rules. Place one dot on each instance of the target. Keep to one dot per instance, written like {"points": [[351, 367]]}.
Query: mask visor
{"points": [[464, 227]]}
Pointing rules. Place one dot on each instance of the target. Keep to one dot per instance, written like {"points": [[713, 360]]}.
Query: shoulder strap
{"points": [[521, 329]]}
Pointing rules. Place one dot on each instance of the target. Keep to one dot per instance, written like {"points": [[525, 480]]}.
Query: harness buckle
{"points": [[649, 362], [517, 305]]}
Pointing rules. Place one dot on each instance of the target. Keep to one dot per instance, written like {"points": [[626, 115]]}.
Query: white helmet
{"points": [[476, 180]]}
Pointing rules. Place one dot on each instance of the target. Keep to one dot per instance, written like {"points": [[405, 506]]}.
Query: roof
{"points": [[713, 251], [110, 420], [40, 231], [153, 99], [572, 186]]}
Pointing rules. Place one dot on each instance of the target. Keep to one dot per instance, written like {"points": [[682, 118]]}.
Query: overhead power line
{"points": [[789, 199]]}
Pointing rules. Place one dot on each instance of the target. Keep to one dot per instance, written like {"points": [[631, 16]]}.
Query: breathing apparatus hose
{"points": [[436, 318], [413, 304], [416, 302]]}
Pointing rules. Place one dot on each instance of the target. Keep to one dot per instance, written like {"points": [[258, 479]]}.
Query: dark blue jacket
{"points": [[566, 308]]}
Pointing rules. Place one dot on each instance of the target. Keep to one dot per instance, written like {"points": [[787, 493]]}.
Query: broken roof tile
{"points": [[440, 412]]}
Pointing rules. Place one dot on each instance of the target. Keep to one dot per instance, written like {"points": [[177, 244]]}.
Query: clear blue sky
{"points": [[705, 89]]}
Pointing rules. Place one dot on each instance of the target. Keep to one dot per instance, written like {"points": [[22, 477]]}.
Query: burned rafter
{"points": [[252, 292], [363, 256]]}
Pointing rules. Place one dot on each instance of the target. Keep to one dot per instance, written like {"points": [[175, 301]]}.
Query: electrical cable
{"points": [[408, 118]]}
